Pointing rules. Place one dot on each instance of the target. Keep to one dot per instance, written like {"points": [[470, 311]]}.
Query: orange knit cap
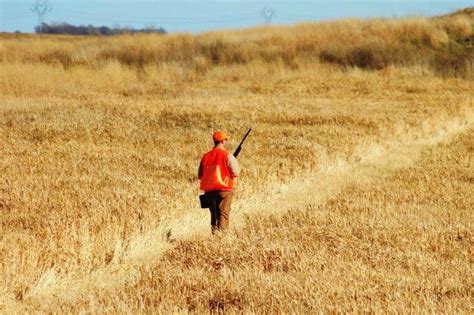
{"points": [[219, 136]]}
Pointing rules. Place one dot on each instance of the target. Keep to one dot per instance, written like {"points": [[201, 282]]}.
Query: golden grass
{"points": [[372, 44], [333, 212]]}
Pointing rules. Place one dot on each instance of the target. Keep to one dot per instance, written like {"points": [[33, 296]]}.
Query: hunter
{"points": [[217, 171]]}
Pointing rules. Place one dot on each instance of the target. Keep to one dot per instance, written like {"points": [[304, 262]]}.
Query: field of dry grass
{"points": [[356, 192]]}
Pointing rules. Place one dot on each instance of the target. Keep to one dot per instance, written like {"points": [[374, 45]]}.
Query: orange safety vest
{"points": [[215, 171]]}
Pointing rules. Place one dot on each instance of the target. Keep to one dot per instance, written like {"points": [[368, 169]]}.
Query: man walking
{"points": [[217, 171]]}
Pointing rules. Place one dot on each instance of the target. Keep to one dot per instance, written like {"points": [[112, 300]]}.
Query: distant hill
{"points": [[467, 11], [442, 43]]}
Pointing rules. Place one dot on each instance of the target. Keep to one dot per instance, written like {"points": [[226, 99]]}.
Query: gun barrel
{"points": [[237, 151], [245, 137]]}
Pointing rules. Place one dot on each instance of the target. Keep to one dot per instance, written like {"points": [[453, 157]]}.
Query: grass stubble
{"points": [[357, 186]]}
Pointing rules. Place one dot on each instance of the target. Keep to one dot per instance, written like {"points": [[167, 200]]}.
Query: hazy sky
{"points": [[202, 15]]}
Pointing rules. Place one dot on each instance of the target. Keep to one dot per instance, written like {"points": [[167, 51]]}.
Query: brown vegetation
{"points": [[355, 194], [372, 44]]}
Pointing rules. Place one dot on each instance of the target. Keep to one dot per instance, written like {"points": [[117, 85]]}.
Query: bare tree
{"points": [[267, 14], [41, 7]]}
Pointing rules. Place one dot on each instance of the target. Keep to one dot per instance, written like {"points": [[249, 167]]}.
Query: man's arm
{"points": [[233, 165]]}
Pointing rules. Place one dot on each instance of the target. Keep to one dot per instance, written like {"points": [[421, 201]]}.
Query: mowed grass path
{"points": [[400, 242]]}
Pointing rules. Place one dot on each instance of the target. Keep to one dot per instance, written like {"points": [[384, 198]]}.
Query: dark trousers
{"points": [[219, 205]]}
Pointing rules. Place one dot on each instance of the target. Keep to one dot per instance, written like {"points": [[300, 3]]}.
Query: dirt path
{"points": [[333, 175]]}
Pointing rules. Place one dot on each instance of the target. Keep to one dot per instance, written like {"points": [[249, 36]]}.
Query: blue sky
{"points": [[203, 15]]}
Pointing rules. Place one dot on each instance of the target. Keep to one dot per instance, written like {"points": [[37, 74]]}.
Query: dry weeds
{"points": [[352, 196]]}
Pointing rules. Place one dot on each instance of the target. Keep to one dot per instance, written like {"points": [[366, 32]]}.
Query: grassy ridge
{"points": [[374, 44]]}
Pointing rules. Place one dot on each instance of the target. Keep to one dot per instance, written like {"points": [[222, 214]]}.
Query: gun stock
{"points": [[237, 151]]}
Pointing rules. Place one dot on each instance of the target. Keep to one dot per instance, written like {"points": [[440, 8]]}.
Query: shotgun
{"points": [[239, 148]]}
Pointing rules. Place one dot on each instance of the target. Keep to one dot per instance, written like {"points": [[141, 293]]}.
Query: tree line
{"points": [[66, 28]]}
